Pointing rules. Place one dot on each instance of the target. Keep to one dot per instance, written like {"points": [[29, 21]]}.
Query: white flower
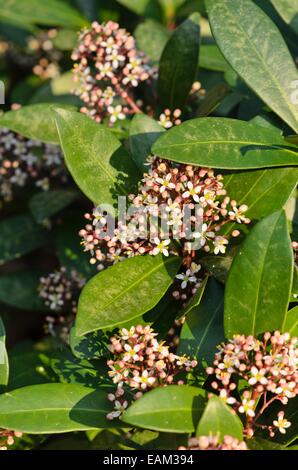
{"points": [[219, 244], [119, 409], [161, 247], [105, 70], [224, 396], [115, 58], [131, 353], [192, 191], [44, 184], [116, 113], [258, 375], [165, 183], [19, 178], [165, 121], [185, 278], [144, 380], [127, 334], [281, 423], [247, 407], [204, 234], [238, 213], [98, 217], [131, 78]]}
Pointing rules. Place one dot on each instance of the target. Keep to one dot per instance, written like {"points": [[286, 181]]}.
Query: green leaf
{"points": [[291, 322], [255, 48], [26, 368], [225, 143], [141, 7], [20, 289], [54, 408], [212, 99], [176, 408], [91, 346], [288, 10], [263, 191], [212, 59], [124, 291], [178, 64], [19, 235], [51, 12], [219, 266], [48, 203], [36, 121], [219, 419], [262, 444], [100, 166], [203, 330], [259, 284], [143, 132], [65, 39], [4, 365], [195, 300], [151, 38]]}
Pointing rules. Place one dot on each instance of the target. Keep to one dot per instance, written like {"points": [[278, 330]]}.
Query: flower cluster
{"points": [[47, 57], [24, 161], [214, 443], [7, 438], [60, 293], [180, 202], [108, 68], [168, 119], [141, 363], [269, 369]]}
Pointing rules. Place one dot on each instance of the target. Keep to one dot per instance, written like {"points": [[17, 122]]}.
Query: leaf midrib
{"points": [[267, 70]]}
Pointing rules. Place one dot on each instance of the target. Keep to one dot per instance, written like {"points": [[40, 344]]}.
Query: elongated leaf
{"points": [[124, 291], [260, 280], [48, 203], [220, 420], [4, 365], [141, 7], [143, 132], [225, 143], [151, 38], [291, 322], [176, 408], [255, 48], [262, 444], [54, 408], [20, 289], [51, 12], [263, 191], [212, 99], [19, 235], [178, 64], [98, 163], [203, 327], [212, 59], [288, 10], [36, 121]]}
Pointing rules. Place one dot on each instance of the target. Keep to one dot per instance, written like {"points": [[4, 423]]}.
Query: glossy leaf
{"points": [[225, 143], [291, 322], [263, 191], [124, 291], [288, 10], [176, 408], [54, 408], [36, 121], [259, 284], [151, 38], [100, 166], [262, 444], [255, 48], [178, 64], [20, 289], [48, 203], [19, 235], [51, 12], [203, 330], [26, 368], [219, 419], [212, 99], [4, 365], [143, 132]]}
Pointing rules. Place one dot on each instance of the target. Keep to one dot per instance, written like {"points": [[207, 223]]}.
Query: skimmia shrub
{"points": [[148, 232]]}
